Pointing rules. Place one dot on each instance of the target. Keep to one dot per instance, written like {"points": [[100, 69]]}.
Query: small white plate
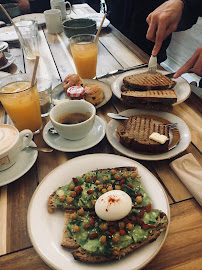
{"points": [[25, 161], [38, 17], [58, 92], [4, 74], [8, 34], [96, 134], [45, 229], [10, 59], [98, 18], [185, 136], [182, 88]]}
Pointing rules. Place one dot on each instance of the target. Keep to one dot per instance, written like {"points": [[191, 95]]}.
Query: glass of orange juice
{"points": [[84, 50], [21, 101]]}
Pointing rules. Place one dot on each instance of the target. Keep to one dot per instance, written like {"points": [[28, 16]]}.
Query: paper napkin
{"points": [[189, 172]]}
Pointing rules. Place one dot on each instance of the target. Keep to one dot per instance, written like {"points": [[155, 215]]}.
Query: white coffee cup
{"points": [[61, 5], [73, 107], [53, 21], [11, 143]]}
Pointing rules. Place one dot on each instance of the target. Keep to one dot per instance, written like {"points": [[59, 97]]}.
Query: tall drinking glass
{"points": [[84, 50], [21, 101]]}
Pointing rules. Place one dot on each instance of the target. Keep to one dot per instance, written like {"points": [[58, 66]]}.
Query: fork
{"points": [[152, 66]]}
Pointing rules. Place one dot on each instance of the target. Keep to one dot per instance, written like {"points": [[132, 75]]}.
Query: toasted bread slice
{"points": [[148, 81], [82, 255], [136, 134]]}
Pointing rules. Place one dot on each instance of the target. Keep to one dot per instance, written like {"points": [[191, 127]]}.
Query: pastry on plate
{"points": [[72, 80], [93, 94]]}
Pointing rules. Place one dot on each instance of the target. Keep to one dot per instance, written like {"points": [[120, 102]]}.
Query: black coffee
{"points": [[73, 118]]}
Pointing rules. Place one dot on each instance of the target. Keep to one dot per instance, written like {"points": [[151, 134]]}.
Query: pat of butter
{"points": [[58, 101], [158, 137]]}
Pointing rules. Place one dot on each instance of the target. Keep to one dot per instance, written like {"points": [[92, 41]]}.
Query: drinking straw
{"points": [[35, 70], [16, 28], [98, 31]]}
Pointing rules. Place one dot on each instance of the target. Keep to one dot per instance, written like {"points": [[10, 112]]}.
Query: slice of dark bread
{"points": [[136, 132], [148, 81], [84, 256]]}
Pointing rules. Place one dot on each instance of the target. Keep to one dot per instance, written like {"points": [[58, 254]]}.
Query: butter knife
{"points": [[152, 66], [119, 71]]}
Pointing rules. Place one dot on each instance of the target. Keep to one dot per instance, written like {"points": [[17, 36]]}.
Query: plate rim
{"points": [[158, 70], [81, 149], [136, 163], [145, 156], [30, 15], [8, 56]]}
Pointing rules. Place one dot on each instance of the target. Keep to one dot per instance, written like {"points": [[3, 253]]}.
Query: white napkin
{"points": [[189, 172]]}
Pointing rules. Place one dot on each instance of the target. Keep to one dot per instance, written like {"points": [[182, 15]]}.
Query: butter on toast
{"points": [[147, 81], [136, 134], [145, 230]]}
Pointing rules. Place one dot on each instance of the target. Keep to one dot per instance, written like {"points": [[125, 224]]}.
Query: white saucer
{"points": [[10, 59], [38, 17], [96, 134], [25, 161], [8, 34]]}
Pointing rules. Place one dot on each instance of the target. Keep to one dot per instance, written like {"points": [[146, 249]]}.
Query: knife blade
{"points": [[119, 71], [152, 66], [170, 75]]}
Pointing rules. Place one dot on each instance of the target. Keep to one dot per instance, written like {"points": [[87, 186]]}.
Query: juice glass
{"points": [[84, 50], [21, 101]]}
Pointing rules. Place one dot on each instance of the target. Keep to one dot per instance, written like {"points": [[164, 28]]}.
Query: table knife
{"points": [[170, 75], [119, 71]]}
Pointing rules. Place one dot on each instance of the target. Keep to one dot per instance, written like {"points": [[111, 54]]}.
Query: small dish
{"points": [[10, 59], [8, 34], [79, 26], [38, 17], [25, 161], [98, 18], [96, 134], [179, 141], [58, 92]]}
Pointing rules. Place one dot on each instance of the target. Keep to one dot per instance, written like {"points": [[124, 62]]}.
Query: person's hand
{"points": [[163, 21], [195, 63]]}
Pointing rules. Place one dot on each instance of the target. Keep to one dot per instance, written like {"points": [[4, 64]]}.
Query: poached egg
{"points": [[113, 205]]}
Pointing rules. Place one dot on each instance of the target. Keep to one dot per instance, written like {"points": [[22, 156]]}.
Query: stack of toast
{"points": [[149, 91], [137, 131]]}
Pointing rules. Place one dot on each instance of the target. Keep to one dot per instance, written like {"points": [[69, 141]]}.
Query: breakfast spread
{"points": [[137, 132], [108, 214]]}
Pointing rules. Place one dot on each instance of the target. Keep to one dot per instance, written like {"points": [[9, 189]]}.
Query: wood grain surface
{"points": [[182, 248]]}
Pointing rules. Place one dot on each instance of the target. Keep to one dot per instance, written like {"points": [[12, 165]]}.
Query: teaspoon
{"points": [[52, 131], [42, 149], [117, 116]]}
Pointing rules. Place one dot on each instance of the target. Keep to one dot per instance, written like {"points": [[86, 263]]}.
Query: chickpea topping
{"points": [[116, 248], [97, 182], [62, 198], [117, 187], [70, 200], [100, 187], [115, 253], [138, 199], [93, 202], [112, 181], [72, 194], [103, 226], [116, 238], [117, 177], [105, 178], [71, 186], [133, 175], [125, 175], [104, 190], [76, 228], [73, 216], [113, 172], [80, 212], [103, 239], [129, 226], [88, 178], [50, 210], [109, 188], [121, 225]]}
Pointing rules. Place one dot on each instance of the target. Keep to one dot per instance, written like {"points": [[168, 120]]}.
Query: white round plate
{"points": [[98, 18], [96, 134], [58, 92], [4, 74], [8, 33], [182, 88], [25, 161], [10, 59], [185, 136], [38, 17], [45, 229]]}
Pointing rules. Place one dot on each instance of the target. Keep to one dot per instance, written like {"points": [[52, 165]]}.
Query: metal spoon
{"points": [[52, 131], [117, 116], [42, 149]]}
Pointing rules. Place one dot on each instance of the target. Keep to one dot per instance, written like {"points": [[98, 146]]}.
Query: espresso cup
{"points": [[61, 5], [73, 119], [11, 143]]}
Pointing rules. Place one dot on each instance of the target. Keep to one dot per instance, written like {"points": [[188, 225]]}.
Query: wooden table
{"points": [[183, 246]]}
